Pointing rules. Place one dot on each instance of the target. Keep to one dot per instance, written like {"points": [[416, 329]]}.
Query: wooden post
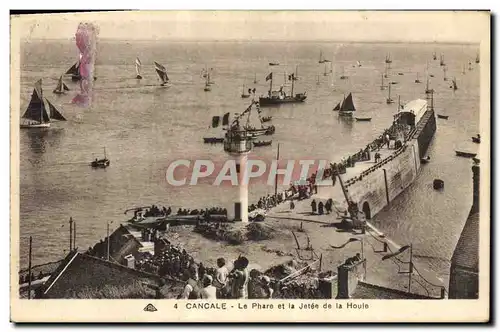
{"points": [[29, 271], [320, 261], [74, 236], [70, 233]]}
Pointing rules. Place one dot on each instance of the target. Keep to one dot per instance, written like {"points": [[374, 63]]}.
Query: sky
{"points": [[445, 26]]}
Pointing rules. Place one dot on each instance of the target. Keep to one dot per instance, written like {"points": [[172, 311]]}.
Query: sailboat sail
{"points": [[36, 110], [321, 57], [54, 113], [74, 70], [348, 104], [138, 66], [61, 87], [337, 108], [215, 121], [162, 72]]}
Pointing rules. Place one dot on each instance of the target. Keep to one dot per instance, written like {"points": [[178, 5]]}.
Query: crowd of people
{"points": [[269, 201]]}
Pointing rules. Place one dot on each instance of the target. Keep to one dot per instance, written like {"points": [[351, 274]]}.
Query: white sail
{"points": [[138, 66]]}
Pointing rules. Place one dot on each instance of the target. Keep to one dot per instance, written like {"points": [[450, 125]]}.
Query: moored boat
{"points": [[476, 139], [262, 143], [213, 140], [347, 107], [465, 154], [138, 66], [274, 63], [444, 117], [363, 119]]}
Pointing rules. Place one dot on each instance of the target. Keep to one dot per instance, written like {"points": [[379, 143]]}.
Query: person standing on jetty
{"points": [[240, 278], [313, 206]]}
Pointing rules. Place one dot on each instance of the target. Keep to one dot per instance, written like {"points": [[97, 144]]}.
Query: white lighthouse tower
{"points": [[238, 144]]}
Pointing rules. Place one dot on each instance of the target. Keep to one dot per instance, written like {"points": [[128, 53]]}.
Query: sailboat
{"points": [[382, 86], [138, 66], [321, 60], [325, 73], [36, 115], [389, 100], [61, 87], [358, 63], [347, 107], [427, 88], [417, 80], [74, 71], [441, 62], [161, 71], [100, 163], [386, 73], [454, 84], [388, 58], [337, 108], [255, 78], [243, 92], [434, 57], [444, 73], [477, 58], [207, 83], [343, 76]]}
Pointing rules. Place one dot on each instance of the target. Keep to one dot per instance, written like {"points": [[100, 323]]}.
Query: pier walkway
{"points": [[324, 231]]}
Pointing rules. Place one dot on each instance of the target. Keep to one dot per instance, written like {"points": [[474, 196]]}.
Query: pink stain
{"points": [[86, 38]]}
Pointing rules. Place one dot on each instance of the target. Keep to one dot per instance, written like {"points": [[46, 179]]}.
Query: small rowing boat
{"points": [[363, 119], [445, 117], [465, 154]]}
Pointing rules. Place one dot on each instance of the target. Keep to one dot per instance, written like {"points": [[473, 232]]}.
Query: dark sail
{"points": [[36, 109], [215, 121], [337, 108], [162, 72], [74, 70], [348, 104], [225, 119], [54, 113], [65, 87]]}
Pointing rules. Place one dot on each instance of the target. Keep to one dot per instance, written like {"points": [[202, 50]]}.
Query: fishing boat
{"points": [[476, 139], [321, 58], [444, 73], [138, 66], [36, 115], [274, 63], [207, 83], [74, 71], [441, 61], [400, 74], [100, 163], [434, 57], [363, 119], [347, 107], [343, 76], [388, 58], [267, 118], [454, 84], [477, 58], [255, 78], [61, 87], [444, 117], [386, 72], [244, 93], [161, 71], [337, 108], [417, 80], [382, 86], [389, 99], [280, 96], [213, 140], [427, 88], [262, 143], [465, 154]]}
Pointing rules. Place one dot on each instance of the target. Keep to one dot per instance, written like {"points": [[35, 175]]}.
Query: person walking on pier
{"points": [[313, 206], [320, 208]]}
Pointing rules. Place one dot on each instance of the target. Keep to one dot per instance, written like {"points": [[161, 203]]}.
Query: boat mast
{"points": [[104, 152], [271, 85], [293, 81]]}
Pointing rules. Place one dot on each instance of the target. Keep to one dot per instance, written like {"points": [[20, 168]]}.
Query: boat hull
{"points": [[363, 119], [35, 125], [445, 117], [266, 101], [465, 154], [103, 163]]}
